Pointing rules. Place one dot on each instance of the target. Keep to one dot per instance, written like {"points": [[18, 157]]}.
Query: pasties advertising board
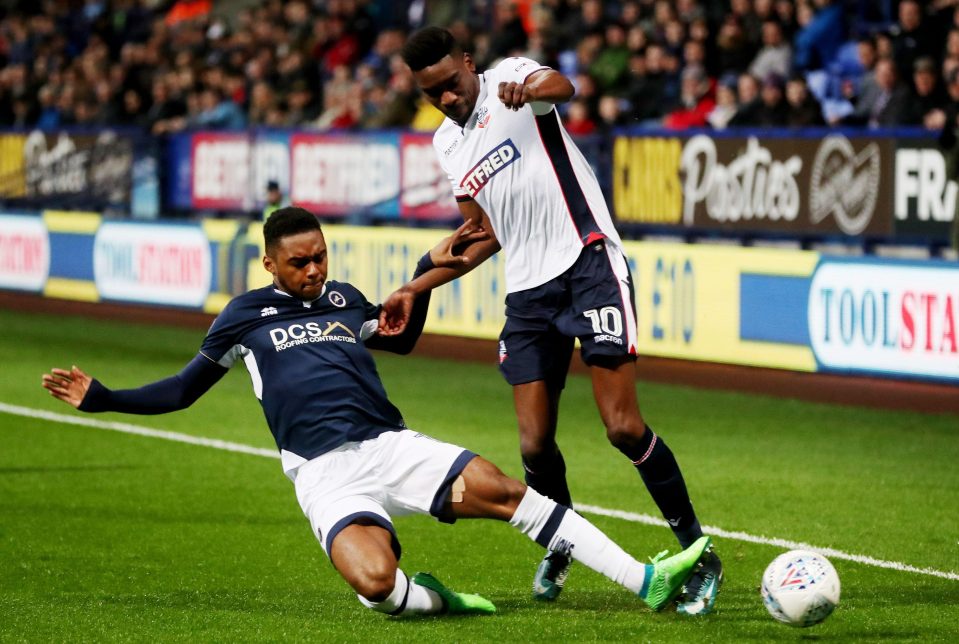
{"points": [[824, 185]]}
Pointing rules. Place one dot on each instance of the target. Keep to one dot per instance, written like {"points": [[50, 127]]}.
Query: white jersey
{"points": [[522, 168]]}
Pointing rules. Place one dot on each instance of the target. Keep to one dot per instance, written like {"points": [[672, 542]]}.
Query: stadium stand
{"points": [[644, 67], [334, 65]]}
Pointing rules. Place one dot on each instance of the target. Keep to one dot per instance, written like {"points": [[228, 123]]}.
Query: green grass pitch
{"points": [[107, 536]]}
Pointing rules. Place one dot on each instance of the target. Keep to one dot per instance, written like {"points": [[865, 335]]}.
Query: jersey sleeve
{"points": [[371, 316], [160, 397], [220, 344], [518, 69], [458, 191]]}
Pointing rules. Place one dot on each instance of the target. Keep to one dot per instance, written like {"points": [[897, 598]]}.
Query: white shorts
{"points": [[394, 474]]}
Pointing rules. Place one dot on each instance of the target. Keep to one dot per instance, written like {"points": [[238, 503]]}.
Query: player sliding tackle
{"points": [[354, 464]]}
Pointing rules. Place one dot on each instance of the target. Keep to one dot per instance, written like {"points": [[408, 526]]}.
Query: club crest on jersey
{"points": [[492, 162], [336, 299], [482, 116]]}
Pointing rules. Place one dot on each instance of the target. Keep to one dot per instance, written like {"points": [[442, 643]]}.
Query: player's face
{"points": [[451, 86], [298, 264]]}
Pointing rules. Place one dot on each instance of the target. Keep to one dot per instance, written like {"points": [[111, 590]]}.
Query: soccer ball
{"points": [[800, 588]]}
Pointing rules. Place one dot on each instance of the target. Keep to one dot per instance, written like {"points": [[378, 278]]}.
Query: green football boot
{"points": [[666, 576], [454, 603]]}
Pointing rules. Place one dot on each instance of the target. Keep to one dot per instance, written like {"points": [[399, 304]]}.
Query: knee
{"points": [[534, 445], [625, 433], [375, 582], [506, 492]]}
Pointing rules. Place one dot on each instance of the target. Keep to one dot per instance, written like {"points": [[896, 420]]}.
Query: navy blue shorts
{"points": [[592, 300]]}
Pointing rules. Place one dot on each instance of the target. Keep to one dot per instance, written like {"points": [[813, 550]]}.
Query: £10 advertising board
{"points": [[798, 310]]}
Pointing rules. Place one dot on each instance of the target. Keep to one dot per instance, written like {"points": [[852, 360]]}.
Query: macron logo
{"points": [[270, 310], [492, 162]]}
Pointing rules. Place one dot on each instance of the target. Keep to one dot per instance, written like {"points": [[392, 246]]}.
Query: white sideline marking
{"points": [[771, 541], [646, 519], [127, 428]]}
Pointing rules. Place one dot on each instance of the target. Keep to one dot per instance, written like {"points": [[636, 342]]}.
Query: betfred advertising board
{"points": [[426, 190], [345, 175], [152, 263], [220, 171], [24, 253], [885, 317]]}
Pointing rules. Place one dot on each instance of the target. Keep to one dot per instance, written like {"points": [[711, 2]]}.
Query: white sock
{"points": [[406, 599], [558, 528]]}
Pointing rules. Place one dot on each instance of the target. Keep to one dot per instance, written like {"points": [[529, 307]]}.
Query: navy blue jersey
{"points": [[310, 367]]}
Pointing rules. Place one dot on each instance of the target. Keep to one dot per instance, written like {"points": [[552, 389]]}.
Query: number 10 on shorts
{"points": [[606, 320]]}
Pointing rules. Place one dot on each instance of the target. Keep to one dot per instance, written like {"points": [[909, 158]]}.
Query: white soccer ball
{"points": [[800, 588]]}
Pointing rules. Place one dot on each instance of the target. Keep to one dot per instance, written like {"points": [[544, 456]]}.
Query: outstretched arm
{"points": [[451, 258], [403, 313], [401, 339], [78, 389]]}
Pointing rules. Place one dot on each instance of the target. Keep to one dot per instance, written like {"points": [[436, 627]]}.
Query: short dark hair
{"points": [[284, 222], [427, 47]]}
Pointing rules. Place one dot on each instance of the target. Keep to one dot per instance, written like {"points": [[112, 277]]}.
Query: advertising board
{"points": [[425, 191], [828, 185], [24, 253], [152, 263], [345, 175], [220, 171], [925, 202], [885, 317]]}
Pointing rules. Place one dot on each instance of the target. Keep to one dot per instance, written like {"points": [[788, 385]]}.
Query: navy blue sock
{"points": [[547, 475], [660, 472]]}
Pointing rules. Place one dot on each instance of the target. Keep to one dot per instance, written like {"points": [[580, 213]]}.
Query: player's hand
{"points": [[449, 251], [395, 314], [68, 386], [514, 95]]}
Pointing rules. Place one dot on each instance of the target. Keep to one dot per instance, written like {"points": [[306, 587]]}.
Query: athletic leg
{"points": [[485, 492], [363, 554], [347, 501], [534, 358], [537, 409], [614, 387]]}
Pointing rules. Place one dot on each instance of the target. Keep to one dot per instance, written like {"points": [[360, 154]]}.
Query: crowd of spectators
{"points": [[334, 64]]}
